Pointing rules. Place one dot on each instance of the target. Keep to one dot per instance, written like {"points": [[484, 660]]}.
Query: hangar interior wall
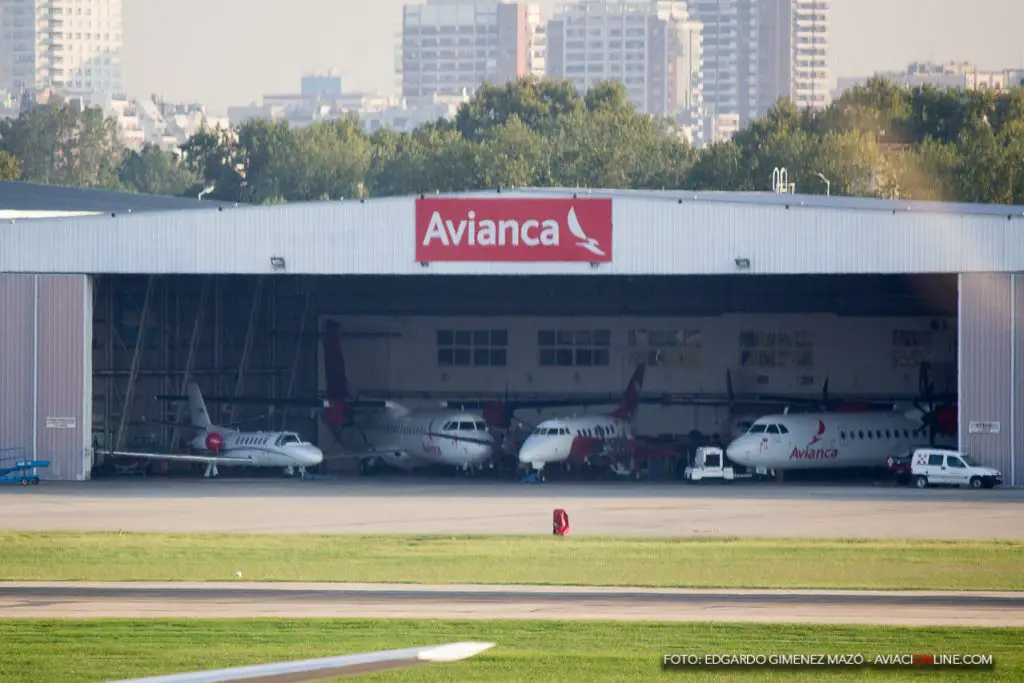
{"points": [[230, 335], [545, 356], [47, 373], [991, 352]]}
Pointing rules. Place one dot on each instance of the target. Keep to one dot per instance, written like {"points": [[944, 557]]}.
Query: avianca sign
{"points": [[514, 230]]}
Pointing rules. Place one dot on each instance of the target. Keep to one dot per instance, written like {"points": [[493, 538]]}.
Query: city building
{"points": [[758, 51], [71, 46], [652, 47], [323, 101], [963, 75], [453, 46]]}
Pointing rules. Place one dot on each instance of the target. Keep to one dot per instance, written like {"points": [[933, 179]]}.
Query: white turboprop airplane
{"points": [[831, 440], [383, 431], [233, 448], [326, 668], [559, 440]]}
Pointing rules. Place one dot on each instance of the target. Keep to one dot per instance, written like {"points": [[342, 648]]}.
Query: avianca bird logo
{"points": [[588, 243], [817, 437]]}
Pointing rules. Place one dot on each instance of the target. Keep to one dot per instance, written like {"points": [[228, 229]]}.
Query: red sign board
{"points": [[514, 230]]}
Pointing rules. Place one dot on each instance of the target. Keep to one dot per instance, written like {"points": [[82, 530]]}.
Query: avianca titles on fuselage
{"points": [[558, 440], [827, 440]]}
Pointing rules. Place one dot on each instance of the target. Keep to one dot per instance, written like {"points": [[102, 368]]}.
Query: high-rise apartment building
{"points": [[71, 46], [810, 53], [757, 51], [652, 47], [453, 46]]}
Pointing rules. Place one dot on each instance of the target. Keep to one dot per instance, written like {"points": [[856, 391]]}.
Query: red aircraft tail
{"points": [[630, 401], [334, 373]]}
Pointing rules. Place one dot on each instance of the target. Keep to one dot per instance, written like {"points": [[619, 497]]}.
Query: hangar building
{"points": [[111, 299]]}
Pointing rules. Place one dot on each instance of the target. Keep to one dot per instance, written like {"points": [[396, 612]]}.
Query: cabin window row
{"points": [[875, 434], [597, 432]]}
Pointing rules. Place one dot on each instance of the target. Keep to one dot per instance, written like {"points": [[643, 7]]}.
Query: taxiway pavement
{"points": [[295, 600], [403, 505]]}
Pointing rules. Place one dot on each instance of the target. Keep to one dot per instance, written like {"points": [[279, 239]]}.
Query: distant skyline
{"points": [[228, 52]]}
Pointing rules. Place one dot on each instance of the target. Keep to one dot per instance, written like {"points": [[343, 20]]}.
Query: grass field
{"points": [[729, 563], [90, 651]]}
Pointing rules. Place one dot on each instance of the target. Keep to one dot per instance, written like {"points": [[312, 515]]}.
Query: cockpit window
{"points": [[466, 427], [448, 426], [772, 429], [782, 429], [286, 439], [758, 429], [481, 426]]}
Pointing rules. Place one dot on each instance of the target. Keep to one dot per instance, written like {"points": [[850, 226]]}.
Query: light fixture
{"points": [[277, 262], [743, 263]]}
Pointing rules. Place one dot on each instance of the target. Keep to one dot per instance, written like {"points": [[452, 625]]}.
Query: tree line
{"points": [[876, 140]]}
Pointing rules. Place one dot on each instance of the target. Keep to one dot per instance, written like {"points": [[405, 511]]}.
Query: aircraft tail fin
{"points": [[198, 414], [334, 364], [630, 401]]}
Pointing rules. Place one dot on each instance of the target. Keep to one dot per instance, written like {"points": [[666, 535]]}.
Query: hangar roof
{"points": [[653, 232], [22, 200]]}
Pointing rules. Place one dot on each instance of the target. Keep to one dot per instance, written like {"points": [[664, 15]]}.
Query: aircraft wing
{"points": [[183, 457], [327, 667]]}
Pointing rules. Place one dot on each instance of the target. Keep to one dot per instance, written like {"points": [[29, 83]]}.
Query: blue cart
{"points": [[15, 468]]}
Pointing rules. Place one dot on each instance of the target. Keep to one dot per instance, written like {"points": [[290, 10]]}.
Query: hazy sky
{"points": [[225, 52]]}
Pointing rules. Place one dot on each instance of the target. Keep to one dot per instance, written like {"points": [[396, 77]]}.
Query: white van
{"points": [[938, 467]]}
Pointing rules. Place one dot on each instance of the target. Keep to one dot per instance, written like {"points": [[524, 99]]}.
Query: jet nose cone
{"points": [[528, 451], [313, 455], [737, 452]]}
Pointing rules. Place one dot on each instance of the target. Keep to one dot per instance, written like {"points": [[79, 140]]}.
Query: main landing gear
{"points": [[211, 471]]}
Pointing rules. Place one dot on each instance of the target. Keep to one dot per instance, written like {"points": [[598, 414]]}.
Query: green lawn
{"points": [[754, 563], [72, 651]]}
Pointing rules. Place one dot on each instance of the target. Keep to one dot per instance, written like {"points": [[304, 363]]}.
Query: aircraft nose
{"points": [[528, 451], [313, 455], [738, 451]]}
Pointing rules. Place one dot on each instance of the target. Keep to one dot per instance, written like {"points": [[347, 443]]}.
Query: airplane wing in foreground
{"points": [[327, 668]]}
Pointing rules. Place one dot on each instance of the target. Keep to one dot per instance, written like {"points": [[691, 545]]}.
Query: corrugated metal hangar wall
{"points": [[991, 356], [46, 352]]}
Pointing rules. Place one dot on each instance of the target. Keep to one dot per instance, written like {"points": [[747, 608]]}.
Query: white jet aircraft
{"points": [[326, 668], [590, 436], [233, 448], [377, 431], [831, 440]]}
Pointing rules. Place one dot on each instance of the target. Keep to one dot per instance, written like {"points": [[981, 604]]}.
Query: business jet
{"points": [[376, 432], [325, 668], [233, 448], [588, 437]]}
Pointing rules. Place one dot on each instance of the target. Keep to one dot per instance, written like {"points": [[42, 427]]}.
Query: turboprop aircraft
{"points": [[230, 447], [832, 440], [326, 668], [376, 431], [587, 437]]}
